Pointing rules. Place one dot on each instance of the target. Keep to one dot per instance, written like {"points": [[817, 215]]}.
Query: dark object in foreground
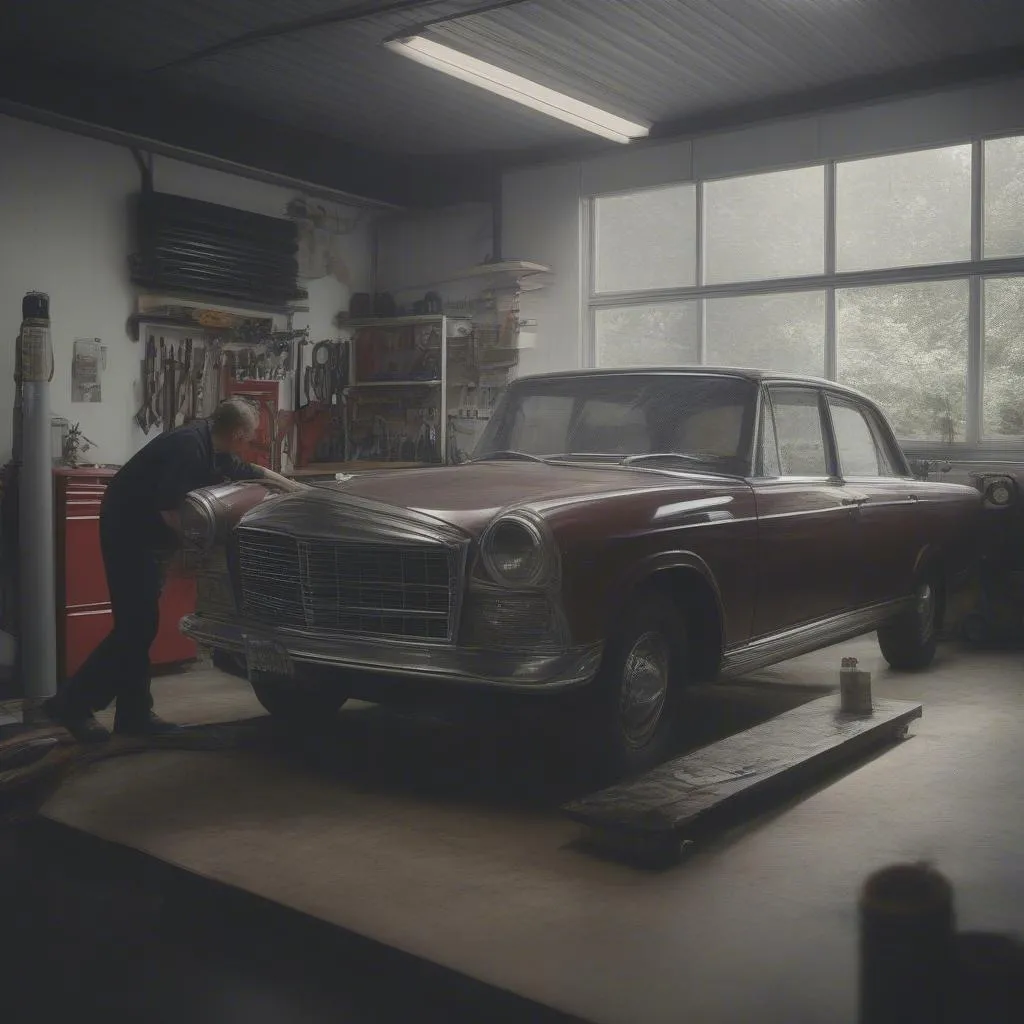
{"points": [[915, 968], [906, 946], [649, 818]]}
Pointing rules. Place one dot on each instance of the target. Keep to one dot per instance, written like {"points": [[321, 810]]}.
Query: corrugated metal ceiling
{"points": [[663, 61]]}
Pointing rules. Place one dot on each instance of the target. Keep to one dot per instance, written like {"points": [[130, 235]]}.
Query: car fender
{"points": [[642, 571]]}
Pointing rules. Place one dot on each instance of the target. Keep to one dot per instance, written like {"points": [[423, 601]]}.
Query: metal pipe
{"points": [[130, 140], [38, 639]]}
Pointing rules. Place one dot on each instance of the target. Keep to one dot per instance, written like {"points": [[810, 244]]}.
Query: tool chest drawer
{"points": [[84, 616]]}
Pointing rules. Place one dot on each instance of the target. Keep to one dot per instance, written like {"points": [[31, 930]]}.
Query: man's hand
{"points": [[282, 483]]}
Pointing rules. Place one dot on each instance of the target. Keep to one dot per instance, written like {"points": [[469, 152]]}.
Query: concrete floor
{"points": [[441, 838]]}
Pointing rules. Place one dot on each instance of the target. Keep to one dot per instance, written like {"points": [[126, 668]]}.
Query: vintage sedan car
{"points": [[617, 535]]}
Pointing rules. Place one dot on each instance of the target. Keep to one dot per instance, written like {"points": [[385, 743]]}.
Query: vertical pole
{"points": [[700, 239], [443, 388], [831, 343], [38, 641], [975, 383]]}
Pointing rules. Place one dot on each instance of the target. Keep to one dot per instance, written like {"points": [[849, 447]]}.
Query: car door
{"points": [[889, 521], [806, 565]]}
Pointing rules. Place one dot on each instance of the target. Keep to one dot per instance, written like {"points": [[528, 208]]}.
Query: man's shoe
{"points": [[148, 725], [83, 728]]}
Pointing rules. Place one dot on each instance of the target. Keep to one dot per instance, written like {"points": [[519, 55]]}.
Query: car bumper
{"points": [[516, 672]]}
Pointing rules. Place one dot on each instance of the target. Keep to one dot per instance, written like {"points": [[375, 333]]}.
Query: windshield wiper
{"points": [[510, 455], [630, 459]]}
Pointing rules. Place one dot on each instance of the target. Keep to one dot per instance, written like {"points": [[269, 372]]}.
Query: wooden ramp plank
{"points": [[681, 796]]}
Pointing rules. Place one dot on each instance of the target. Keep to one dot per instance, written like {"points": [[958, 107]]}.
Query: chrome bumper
{"points": [[524, 673]]}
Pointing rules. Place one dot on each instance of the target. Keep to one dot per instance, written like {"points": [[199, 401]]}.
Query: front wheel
{"points": [[297, 706], [909, 642], [633, 703]]}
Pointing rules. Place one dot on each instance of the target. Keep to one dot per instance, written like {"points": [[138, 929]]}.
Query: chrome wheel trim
{"points": [[645, 681], [926, 608]]}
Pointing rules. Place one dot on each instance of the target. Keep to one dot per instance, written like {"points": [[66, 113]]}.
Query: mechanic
{"points": [[139, 528]]}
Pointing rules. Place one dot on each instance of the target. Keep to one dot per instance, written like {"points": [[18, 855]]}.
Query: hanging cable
{"points": [[357, 12]]}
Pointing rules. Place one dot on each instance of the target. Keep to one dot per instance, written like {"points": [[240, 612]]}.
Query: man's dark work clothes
{"points": [[133, 535]]}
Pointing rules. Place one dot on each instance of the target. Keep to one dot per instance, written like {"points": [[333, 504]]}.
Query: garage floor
{"points": [[441, 839]]}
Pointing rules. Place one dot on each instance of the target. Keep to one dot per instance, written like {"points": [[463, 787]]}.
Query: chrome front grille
{"points": [[402, 592]]}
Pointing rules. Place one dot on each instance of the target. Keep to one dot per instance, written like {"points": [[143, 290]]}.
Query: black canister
{"points": [[906, 946], [35, 306]]}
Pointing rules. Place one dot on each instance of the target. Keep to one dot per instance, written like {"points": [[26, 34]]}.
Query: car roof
{"points": [[739, 373]]}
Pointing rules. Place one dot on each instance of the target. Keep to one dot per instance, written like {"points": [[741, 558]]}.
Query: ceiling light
{"points": [[520, 90]]}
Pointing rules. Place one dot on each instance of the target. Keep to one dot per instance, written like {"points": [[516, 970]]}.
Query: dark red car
{"points": [[617, 535]]}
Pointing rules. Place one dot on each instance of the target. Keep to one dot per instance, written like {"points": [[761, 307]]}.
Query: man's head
{"points": [[233, 424]]}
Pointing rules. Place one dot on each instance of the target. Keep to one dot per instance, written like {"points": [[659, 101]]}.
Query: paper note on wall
{"points": [[86, 370]]}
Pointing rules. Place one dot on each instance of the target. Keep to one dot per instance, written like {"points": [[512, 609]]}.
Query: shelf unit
{"points": [[401, 379]]}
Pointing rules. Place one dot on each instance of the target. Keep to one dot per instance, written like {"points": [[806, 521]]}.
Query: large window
{"points": [[646, 239], [905, 345], [901, 275], [1004, 357], [784, 332], [905, 210], [1004, 197], [765, 226], [655, 335]]}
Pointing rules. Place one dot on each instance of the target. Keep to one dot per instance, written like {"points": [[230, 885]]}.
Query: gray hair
{"points": [[234, 414]]}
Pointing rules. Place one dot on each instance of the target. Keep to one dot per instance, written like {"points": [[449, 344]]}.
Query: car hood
{"points": [[470, 496]]}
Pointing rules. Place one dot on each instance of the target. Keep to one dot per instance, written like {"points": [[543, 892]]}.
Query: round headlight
{"points": [[999, 493], [515, 552]]}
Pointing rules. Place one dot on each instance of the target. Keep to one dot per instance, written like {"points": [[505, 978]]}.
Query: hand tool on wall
{"points": [[144, 417], [183, 382], [199, 383]]}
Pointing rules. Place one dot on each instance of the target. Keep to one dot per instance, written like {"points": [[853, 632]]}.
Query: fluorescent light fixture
{"points": [[520, 90]]}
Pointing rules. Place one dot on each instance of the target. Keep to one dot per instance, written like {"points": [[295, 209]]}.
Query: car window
{"points": [[701, 417], [768, 445], [714, 431], [541, 424], [859, 454], [799, 431], [609, 428]]}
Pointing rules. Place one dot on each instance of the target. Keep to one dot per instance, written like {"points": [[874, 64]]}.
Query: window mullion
{"points": [[702, 306], [974, 425], [831, 352]]}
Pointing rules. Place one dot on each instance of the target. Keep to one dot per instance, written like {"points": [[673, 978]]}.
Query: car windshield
{"points": [[666, 420]]}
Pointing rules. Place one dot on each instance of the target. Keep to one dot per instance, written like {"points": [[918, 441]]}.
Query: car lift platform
{"points": [[655, 818]]}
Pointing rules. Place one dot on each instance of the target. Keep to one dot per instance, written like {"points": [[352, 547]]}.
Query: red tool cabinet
{"points": [[84, 616], [265, 447]]}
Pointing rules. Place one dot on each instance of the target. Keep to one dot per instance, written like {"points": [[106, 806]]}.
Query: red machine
{"points": [[84, 616]]}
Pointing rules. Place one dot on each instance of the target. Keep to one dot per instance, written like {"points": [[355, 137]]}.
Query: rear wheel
{"points": [[633, 704], [909, 642], [286, 702]]}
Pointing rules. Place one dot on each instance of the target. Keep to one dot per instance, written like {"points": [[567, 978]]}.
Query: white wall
{"points": [[543, 206], [541, 222], [418, 250], [64, 229]]}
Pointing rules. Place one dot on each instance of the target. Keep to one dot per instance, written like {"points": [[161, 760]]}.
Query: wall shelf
{"points": [[386, 421]]}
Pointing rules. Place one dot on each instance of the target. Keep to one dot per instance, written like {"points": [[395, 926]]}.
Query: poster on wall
{"points": [[86, 369]]}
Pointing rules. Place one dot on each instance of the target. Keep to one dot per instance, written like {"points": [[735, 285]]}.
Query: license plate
{"points": [[264, 657]]}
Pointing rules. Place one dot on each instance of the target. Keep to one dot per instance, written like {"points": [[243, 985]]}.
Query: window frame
{"points": [[882, 448], [831, 474], [977, 271]]}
